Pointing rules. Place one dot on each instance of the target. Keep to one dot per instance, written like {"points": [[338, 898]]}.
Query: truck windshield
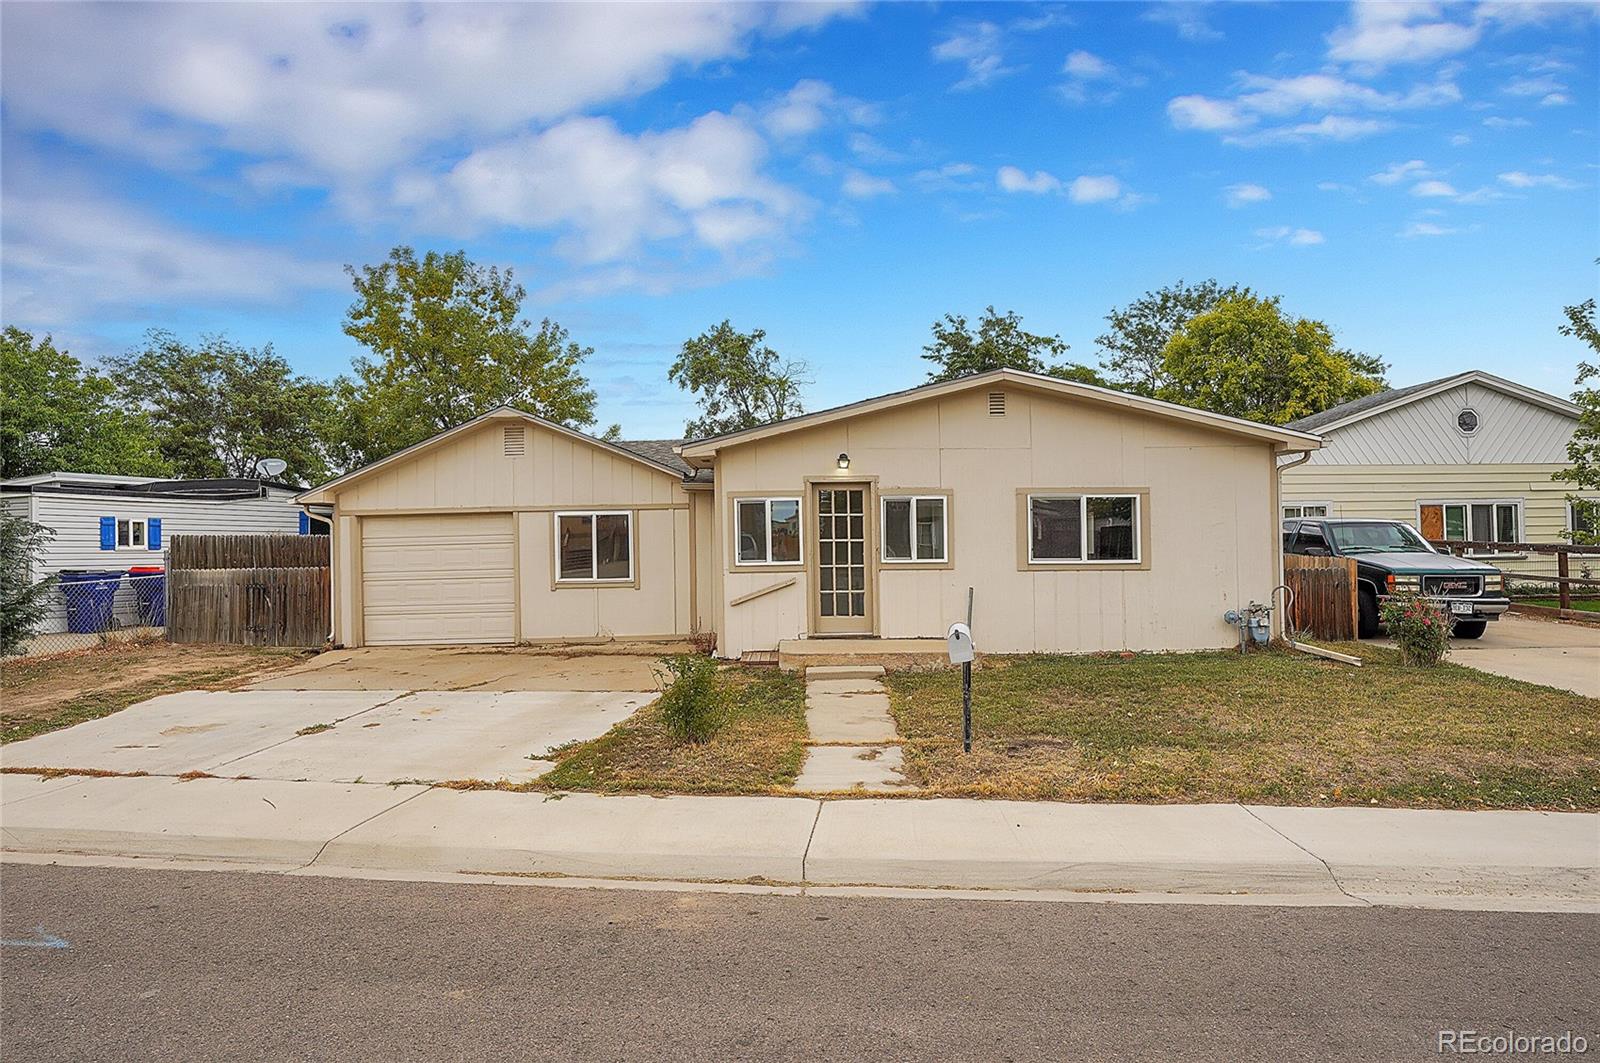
{"points": [[1377, 537]]}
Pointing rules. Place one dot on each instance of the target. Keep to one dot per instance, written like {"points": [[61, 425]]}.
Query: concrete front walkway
{"points": [[1316, 856], [853, 744]]}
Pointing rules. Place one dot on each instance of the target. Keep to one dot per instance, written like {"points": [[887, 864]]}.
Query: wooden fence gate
{"points": [[254, 590], [1325, 602]]}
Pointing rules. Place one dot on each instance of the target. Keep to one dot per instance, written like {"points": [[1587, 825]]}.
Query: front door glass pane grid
{"points": [[842, 552]]}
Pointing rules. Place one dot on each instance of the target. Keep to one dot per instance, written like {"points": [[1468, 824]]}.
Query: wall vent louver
{"points": [[997, 404], [516, 441]]}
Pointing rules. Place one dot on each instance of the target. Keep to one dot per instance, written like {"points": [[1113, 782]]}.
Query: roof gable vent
{"points": [[997, 404], [516, 441]]}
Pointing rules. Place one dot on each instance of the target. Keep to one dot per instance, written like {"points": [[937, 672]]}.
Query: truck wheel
{"points": [[1469, 629], [1367, 628]]}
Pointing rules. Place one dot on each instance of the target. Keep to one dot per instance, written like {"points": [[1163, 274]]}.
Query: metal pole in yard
{"points": [[966, 690]]}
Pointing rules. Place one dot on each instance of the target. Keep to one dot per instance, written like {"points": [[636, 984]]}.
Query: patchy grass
{"points": [[1273, 728], [315, 729], [42, 694], [757, 747], [1588, 605]]}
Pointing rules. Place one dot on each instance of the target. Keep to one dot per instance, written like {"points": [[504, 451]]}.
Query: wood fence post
{"points": [[1564, 594]]}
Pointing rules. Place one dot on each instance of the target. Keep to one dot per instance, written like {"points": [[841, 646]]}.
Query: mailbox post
{"points": [[959, 642]]}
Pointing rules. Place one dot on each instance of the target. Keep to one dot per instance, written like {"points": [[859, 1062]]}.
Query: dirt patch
{"points": [[40, 694]]}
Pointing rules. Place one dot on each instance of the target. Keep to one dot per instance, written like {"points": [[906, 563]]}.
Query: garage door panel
{"points": [[438, 579]]}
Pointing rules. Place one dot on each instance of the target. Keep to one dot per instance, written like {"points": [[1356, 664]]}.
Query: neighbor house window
{"points": [[768, 531], [1583, 516], [130, 534], [1084, 529], [914, 528], [594, 547], [1498, 521], [1296, 510]]}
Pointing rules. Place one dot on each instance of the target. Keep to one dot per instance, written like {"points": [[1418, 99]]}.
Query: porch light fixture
{"points": [[844, 461]]}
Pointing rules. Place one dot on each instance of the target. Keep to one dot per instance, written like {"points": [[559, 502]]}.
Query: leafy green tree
{"points": [[737, 379], [1133, 347], [218, 408], [1246, 358], [55, 415], [999, 343], [22, 600], [1583, 450], [449, 343]]}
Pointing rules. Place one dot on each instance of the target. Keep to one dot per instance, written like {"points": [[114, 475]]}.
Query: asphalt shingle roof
{"points": [[660, 452], [1355, 406]]}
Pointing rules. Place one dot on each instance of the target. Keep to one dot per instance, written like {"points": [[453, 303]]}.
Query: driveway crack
{"points": [[361, 823], [291, 738], [809, 838]]}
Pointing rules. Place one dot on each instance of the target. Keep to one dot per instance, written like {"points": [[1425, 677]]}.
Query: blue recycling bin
{"points": [[90, 595], [150, 588]]}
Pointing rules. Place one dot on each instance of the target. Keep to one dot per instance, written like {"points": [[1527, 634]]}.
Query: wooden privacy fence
{"points": [[254, 590], [1325, 602]]}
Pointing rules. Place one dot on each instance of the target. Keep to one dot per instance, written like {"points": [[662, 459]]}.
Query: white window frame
{"points": [[1083, 558], [944, 530], [594, 552], [1522, 515], [144, 526], [765, 502], [1284, 514]]}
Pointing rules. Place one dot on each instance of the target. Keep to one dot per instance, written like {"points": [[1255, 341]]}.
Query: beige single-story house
{"points": [[1469, 456], [1084, 519]]}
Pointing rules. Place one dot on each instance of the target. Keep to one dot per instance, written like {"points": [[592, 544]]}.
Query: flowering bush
{"points": [[1421, 628]]}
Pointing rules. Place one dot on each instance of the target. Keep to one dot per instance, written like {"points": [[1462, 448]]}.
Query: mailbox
{"points": [[959, 642]]}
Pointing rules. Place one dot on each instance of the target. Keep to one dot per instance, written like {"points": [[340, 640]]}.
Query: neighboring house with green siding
{"points": [[1469, 456]]}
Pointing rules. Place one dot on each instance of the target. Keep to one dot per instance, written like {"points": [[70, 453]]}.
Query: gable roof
{"points": [[320, 493], [702, 450], [1371, 405]]}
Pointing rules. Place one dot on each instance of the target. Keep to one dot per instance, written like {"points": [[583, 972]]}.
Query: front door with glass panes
{"points": [[844, 595]]}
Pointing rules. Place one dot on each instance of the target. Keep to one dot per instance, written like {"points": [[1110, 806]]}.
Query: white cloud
{"points": [[1519, 179], [1242, 195], [343, 93], [1012, 179], [1434, 190], [1426, 228], [979, 47], [1338, 100], [809, 106], [858, 185], [1091, 79], [70, 253], [1541, 85], [1286, 234], [609, 194], [1460, 140], [951, 177], [1381, 33], [1094, 189], [867, 147], [1087, 66], [1555, 99], [1396, 172], [1495, 121], [1188, 17]]}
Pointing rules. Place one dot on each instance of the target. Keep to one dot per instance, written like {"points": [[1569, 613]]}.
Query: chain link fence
{"points": [[90, 607]]}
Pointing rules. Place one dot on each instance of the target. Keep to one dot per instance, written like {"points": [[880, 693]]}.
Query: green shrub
{"points": [[1419, 627], [691, 701], [23, 602]]}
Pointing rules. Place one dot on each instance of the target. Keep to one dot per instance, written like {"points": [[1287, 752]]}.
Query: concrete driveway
{"points": [[1540, 651], [364, 716]]}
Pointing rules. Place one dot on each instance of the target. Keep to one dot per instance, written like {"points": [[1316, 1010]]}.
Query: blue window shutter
{"points": [[108, 533], [152, 533], [305, 523]]}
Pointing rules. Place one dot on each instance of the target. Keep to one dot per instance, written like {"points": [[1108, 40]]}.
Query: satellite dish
{"points": [[267, 468]]}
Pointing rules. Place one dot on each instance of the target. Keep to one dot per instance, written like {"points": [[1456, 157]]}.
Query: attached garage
{"points": [[438, 579]]}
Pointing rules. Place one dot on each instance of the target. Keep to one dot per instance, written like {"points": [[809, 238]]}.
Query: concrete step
{"points": [[844, 671]]}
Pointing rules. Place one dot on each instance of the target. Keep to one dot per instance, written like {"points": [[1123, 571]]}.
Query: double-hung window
{"points": [[1083, 529], [594, 547], [915, 529], [767, 531], [1293, 510], [1481, 522]]}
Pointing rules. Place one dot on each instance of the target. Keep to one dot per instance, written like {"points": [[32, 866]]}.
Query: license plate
{"points": [[1461, 608]]}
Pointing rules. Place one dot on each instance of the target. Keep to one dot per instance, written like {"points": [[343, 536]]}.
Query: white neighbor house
{"points": [[1470, 456], [119, 522]]}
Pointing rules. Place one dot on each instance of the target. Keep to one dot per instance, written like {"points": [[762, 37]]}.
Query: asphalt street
{"points": [[144, 964]]}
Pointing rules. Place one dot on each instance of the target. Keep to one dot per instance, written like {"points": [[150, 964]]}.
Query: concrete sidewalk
{"points": [[1338, 855]]}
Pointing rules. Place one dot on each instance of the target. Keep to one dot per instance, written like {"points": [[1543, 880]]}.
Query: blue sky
{"points": [[1420, 176]]}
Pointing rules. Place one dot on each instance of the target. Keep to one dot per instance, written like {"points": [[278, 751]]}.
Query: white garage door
{"points": [[438, 580]]}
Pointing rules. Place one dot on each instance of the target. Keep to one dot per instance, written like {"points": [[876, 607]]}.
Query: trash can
{"points": [[90, 595], [150, 588]]}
